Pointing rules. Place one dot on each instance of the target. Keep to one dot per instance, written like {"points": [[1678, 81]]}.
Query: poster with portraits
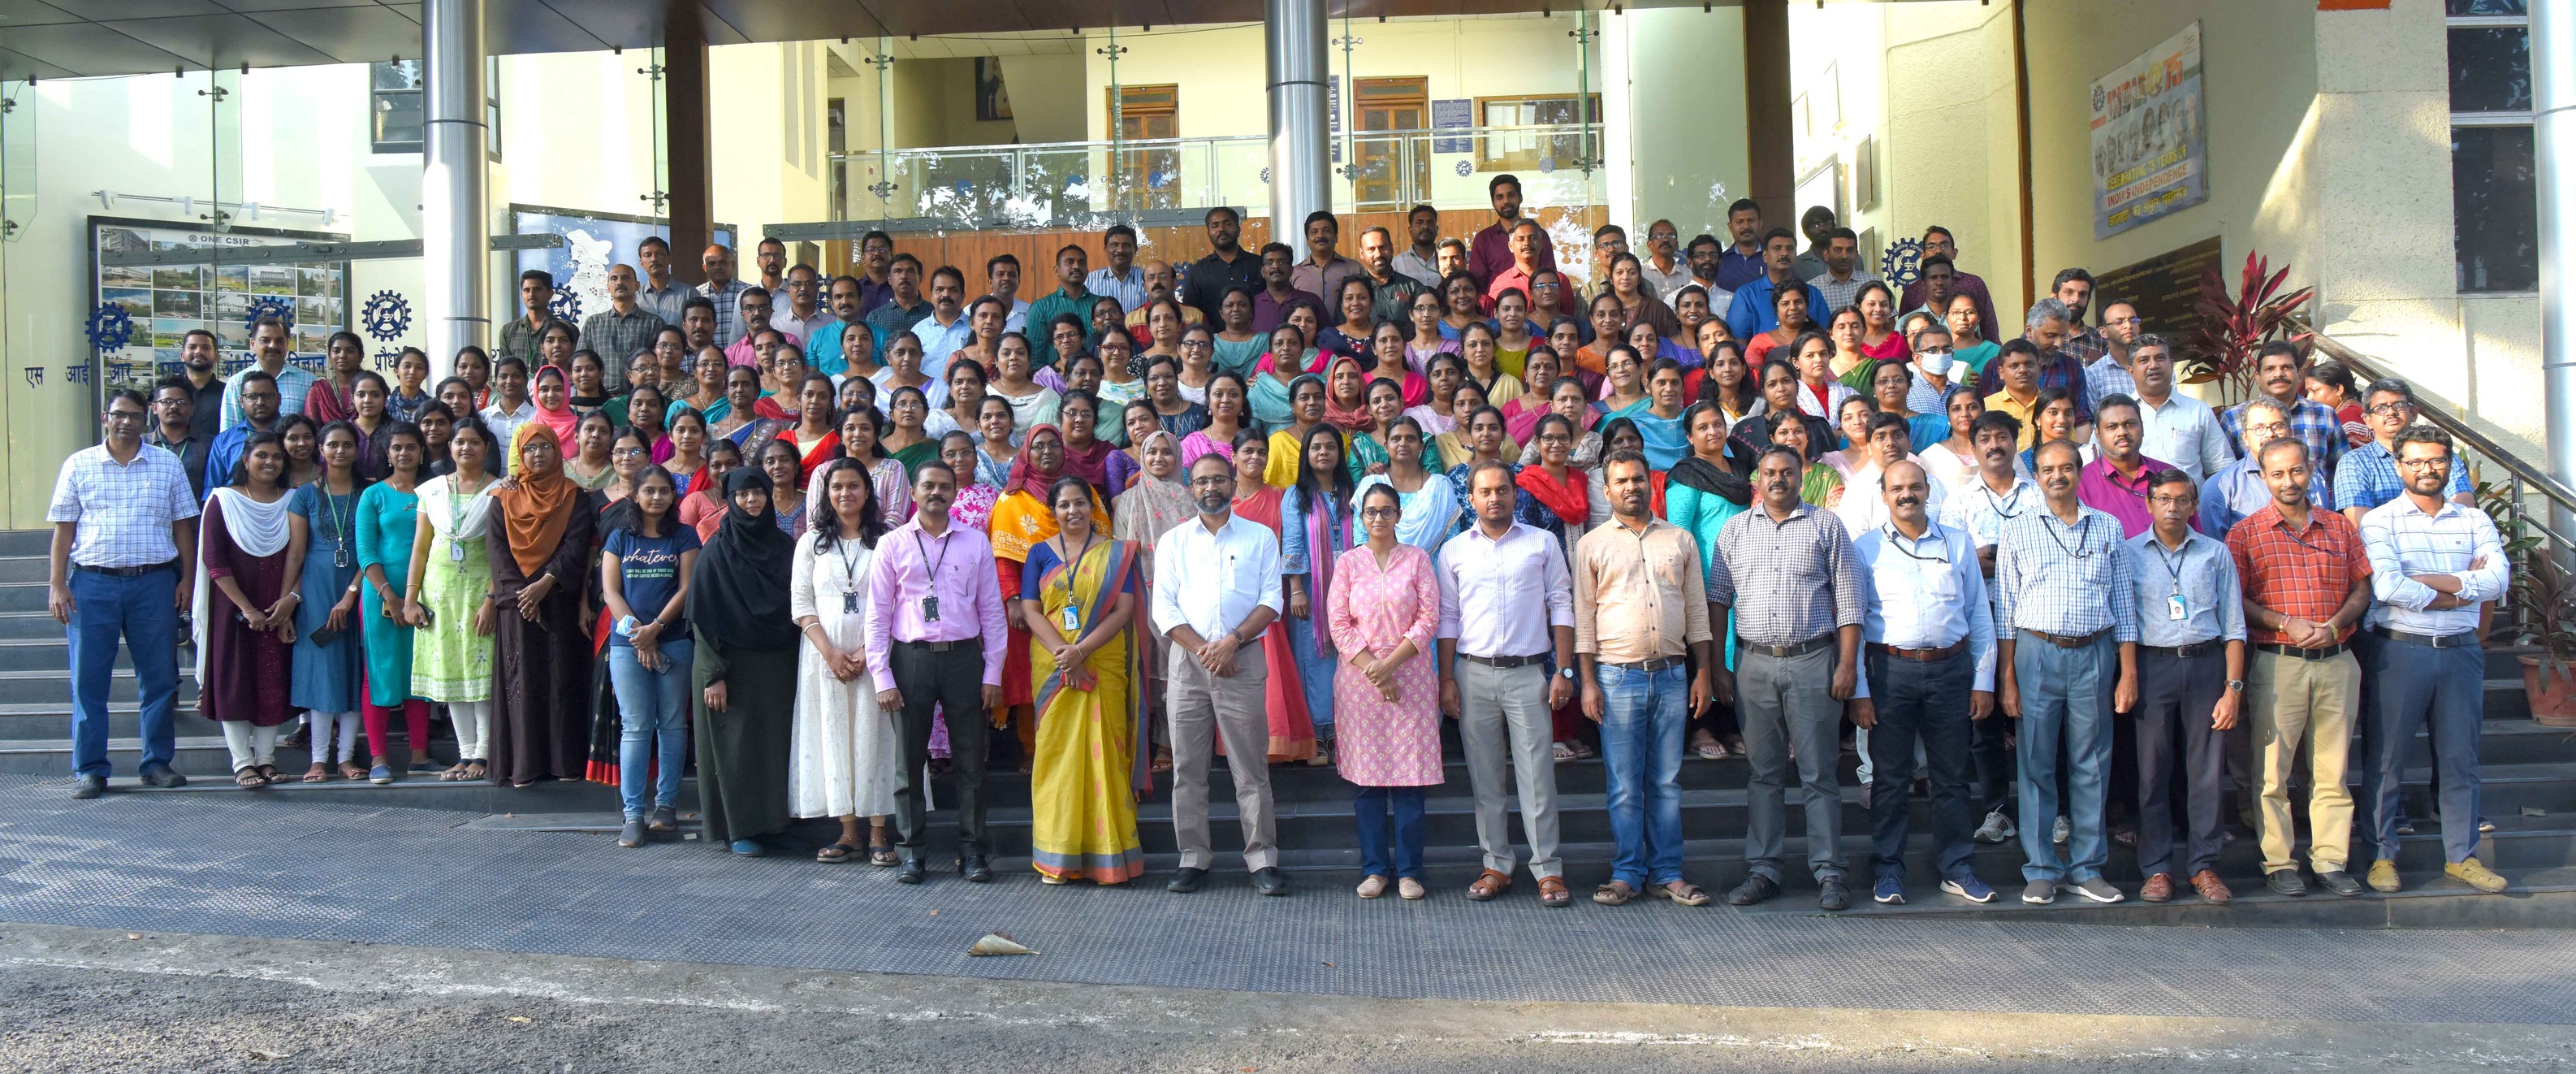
{"points": [[162, 303], [2150, 142]]}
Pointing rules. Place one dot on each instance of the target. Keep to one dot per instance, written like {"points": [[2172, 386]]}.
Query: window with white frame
{"points": [[2494, 202]]}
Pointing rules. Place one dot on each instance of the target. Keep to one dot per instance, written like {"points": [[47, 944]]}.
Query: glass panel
{"points": [[2490, 69], [399, 110], [2494, 206], [2488, 7], [17, 160]]}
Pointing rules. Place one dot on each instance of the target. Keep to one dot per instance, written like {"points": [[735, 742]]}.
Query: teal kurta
{"points": [[325, 676], [387, 519], [1703, 514]]}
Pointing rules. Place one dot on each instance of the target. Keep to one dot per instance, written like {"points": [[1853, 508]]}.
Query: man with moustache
{"points": [[1752, 309], [1323, 269], [2074, 288], [1217, 588], [2191, 683], [1928, 635], [876, 263], [904, 305], [622, 329], [1227, 264], [2001, 493], [1159, 283], [1746, 261], [1490, 251], [1703, 255], [2181, 430], [268, 339], [824, 348], [2116, 482], [205, 385], [724, 290], [1419, 262], [660, 295], [1787, 569], [2111, 373], [1119, 278], [2280, 373], [935, 639], [1391, 291], [2069, 658]]}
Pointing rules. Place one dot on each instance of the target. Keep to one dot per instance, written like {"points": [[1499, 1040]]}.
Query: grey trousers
{"points": [[1785, 702], [1503, 714], [1202, 709]]}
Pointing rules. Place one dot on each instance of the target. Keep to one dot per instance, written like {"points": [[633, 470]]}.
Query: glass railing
{"points": [[1060, 183]]}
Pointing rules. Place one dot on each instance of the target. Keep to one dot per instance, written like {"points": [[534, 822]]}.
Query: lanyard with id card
{"points": [[1072, 616], [2176, 608], [930, 602]]}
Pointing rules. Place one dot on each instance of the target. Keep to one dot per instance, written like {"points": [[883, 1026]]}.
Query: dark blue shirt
{"points": [[648, 570]]}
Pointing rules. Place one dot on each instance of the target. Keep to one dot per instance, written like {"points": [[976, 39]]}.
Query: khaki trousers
{"points": [[1202, 709], [2290, 700]]}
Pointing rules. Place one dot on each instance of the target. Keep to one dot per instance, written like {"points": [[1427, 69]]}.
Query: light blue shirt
{"points": [[2402, 540], [2053, 577], [2203, 575], [1926, 593], [937, 343], [1129, 290]]}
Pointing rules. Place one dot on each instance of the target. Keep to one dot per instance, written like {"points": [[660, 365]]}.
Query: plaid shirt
{"points": [[2401, 541], [2106, 376], [2062, 371], [2052, 577], [2314, 423], [2085, 346], [2368, 477], [667, 301], [615, 336], [1799, 580], [123, 511], [728, 301], [892, 317], [1838, 294], [2305, 574], [520, 341]]}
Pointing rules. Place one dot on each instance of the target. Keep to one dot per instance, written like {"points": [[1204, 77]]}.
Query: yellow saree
{"points": [[1081, 796]]}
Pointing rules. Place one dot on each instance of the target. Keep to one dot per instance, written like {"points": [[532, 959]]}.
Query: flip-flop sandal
{"points": [[249, 779], [473, 773], [268, 772], [350, 771], [1563, 752], [835, 854], [883, 856], [1162, 762]]}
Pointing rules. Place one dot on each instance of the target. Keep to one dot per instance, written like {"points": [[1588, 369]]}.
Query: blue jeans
{"points": [[1378, 857], [1928, 703], [1643, 714], [2065, 703], [1315, 670], [140, 610], [653, 709], [2443, 691]]}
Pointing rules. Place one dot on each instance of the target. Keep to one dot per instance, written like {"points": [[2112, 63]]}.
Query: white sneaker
{"points": [[1998, 828], [2059, 833]]}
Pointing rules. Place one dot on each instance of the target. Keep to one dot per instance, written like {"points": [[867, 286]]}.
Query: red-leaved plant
{"points": [[2232, 327]]}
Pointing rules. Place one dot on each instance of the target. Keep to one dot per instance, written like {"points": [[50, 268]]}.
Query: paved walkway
{"points": [[256, 866]]}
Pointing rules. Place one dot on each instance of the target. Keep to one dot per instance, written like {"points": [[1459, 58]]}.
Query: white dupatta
{"points": [[258, 529]]}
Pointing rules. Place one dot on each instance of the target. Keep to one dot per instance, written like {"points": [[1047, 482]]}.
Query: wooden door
{"points": [[1148, 177], [1390, 172]]}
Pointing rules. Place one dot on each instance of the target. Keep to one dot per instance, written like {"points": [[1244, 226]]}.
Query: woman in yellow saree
{"points": [[1079, 597]]}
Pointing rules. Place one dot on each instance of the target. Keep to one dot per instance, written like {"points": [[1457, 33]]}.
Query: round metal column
{"points": [[455, 214], [1300, 155]]}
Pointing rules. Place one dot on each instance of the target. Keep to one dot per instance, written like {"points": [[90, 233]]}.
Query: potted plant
{"points": [[2229, 329], [2542, 608]]}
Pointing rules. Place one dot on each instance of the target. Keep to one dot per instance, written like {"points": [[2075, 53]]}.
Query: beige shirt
{"points": [[1638, 596]]}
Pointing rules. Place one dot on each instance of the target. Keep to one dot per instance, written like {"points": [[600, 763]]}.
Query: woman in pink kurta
{"points": [[1384, 609]]}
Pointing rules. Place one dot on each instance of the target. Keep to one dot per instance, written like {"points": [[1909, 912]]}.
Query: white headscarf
{"points": [[258, 529]]}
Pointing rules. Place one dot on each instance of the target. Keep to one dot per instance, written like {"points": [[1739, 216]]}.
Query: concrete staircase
{"points": [[2529, 791]]}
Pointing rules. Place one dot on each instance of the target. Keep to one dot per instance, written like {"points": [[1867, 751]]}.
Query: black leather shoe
{"points": [[2285, 882], [2340, 882], [1269, 881], [85, 788], [160, 775], [911, 873], [1187, 880], [1755, 888], [976, 869], [1835, 895]]}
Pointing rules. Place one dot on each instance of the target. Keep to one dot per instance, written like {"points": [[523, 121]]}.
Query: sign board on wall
{"points": [[2150, 150], [164, 302], [2164, 287], [1453, 115], [592, 242]]}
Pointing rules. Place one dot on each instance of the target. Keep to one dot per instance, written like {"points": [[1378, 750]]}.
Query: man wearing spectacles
{"points": [[2191, 678], [2307, 583], [2369, 476], [1218, 589], [125, 537], [2117, 334], [2238, 489]]}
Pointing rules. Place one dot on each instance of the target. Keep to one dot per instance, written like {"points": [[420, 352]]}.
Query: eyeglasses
{"points": [[1379, 512], [2443, 461], [1936, 350], [2394, 406], [2269, 426]]}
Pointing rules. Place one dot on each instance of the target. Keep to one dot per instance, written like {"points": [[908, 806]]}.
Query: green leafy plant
{"points": [[2541, 605], [2232, 326]]}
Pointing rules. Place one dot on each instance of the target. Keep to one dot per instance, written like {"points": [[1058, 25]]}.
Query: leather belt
{"points": [[1658, 664], [1783, 652], [2184, 652], [1504, 663], [2065, 642], [2327, 653], [2461, 640], [1922, 656], [129, 572], [945, 646]]}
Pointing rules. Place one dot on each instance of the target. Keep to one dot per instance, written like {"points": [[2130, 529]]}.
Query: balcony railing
{"points": [[1045, 184]]}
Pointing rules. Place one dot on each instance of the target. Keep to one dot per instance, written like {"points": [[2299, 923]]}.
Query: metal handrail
{"points": [[1541, 130]]}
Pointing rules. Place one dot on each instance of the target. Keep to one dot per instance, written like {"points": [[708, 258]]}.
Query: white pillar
{"points": [[1300, 153], [455, 213]]}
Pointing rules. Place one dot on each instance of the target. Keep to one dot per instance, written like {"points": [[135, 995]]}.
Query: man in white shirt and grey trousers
{"points": [[1216, 588]]}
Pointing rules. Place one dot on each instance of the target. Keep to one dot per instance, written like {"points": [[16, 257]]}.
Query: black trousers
{"points": [[2176, 696], [928, 680], [1996, 780]]}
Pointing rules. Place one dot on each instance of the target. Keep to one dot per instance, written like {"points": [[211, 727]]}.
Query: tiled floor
{"points": [[256, 866]]}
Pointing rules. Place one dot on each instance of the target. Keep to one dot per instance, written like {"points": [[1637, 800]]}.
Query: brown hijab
{"points": [[534, 514]]}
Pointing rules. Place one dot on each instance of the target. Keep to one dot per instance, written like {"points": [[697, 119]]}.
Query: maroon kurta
{"points": [[541, 688], [246, 670]]}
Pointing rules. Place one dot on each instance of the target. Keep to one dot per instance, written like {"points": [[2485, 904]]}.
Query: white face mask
{"points": [[1935, 364]]}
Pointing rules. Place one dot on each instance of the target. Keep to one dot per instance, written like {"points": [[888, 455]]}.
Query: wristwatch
{"points": [[1565, 672], [2235, 686]]}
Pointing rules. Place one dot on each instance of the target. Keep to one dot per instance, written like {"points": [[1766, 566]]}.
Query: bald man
{"points": [[724, 290]]}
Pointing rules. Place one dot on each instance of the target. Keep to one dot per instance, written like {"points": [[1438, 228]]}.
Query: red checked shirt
{"points": [[2303, 574]]}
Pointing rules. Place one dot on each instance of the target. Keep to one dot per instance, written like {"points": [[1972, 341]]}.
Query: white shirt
{"points": [[2185, 434], [1018, 321], [123, 511], [505, 427], [1659, 282], [1982, 512], [1863, 507], [1425, 269], [804, 328], [938, 342], [2402, 540], [1212, 581], [1719, 298], [1498, 598], [1926, 594]]}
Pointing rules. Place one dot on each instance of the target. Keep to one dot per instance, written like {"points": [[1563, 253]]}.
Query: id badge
{"points": [[455, 552], [930, 609], [2175, 608], [850, 602], [1072, 622]]}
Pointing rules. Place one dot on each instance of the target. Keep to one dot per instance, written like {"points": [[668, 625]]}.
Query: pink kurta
{"points": [[1382, 743]]}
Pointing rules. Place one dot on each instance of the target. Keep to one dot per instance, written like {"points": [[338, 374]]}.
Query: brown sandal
{"points": [[1488, 885], [350, 771], [319, 773], [1552, 893], [249, 779], [1614, 893]]}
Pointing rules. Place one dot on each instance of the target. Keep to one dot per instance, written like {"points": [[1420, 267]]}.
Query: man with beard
{"points": [[1787, 569], [824, 348], [1420, 262], [661, 295], [1072, 295], [2074, 287], [1227, 264], [1930, 663], [622, 329], [258, 398], [1490, 251], [876, 263], [1217, 588], [1745, 261], [2279, 372], [205, 386], [174, 410], [2112, 373], [268, 337], [936, 638], [724, 290], [2116, 482], [1391, 289], [2001, 493], [2432, 562], [2069, 660], [1703, 255], [2191, 681]]}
